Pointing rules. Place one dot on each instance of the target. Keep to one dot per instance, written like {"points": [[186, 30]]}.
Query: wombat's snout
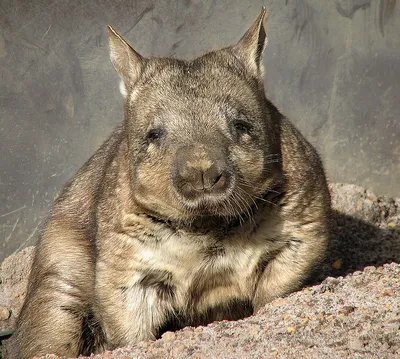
{"points": [[200, 171]]}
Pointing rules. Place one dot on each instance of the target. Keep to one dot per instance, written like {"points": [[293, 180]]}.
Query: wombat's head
{"points": [[202, 139]]}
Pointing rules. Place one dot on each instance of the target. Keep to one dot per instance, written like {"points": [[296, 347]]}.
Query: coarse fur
{"points": [[205, 204]]}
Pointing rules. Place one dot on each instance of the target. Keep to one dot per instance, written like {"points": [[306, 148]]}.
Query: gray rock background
{"points": [[333, 67]]}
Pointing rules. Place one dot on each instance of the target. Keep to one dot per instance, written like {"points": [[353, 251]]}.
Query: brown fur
{"points": [[205, 204]]}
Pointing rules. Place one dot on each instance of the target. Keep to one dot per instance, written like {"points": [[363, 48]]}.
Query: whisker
{"points": [[241, 194]]}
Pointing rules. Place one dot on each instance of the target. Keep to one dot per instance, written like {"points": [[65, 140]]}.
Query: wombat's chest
{"points": [[196, 273]]}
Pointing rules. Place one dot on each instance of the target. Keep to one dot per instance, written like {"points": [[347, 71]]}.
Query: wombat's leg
{"points": [[287, 272], [57, 304], [133, 302], [138, 318]]}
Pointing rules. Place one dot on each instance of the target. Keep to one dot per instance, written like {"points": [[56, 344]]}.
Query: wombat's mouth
{"points": [[209, 213], [210, 201], [205, 207], [234, 204]]}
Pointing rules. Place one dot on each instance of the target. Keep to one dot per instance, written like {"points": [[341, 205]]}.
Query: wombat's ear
{"points": [[126, 60], [250, 47]]}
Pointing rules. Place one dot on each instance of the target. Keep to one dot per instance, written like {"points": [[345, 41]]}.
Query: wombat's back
{"points": [[301, 162]]}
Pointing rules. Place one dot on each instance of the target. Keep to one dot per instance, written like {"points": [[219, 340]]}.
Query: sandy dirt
{"points": [[352, 310]]}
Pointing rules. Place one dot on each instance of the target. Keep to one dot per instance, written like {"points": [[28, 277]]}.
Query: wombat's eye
{"points": [[154, 135], [241, 127]]}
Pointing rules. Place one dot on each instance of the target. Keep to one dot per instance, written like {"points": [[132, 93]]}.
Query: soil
{"points": [[351, 310]]}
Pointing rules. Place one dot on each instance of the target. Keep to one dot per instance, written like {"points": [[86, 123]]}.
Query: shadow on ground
{"points": [[356, 244]]}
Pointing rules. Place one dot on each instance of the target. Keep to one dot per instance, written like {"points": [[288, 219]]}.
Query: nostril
{"points": [[207, 182], [217, 179], [220, 181], [210, 182]]}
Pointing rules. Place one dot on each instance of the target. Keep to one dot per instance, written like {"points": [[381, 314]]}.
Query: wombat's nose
{"points": [[199, 171]]}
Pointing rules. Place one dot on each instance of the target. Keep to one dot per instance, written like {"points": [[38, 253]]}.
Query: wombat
{"points": [[205, 204]]}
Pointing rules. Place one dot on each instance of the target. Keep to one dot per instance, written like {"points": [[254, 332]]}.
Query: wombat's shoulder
{"points": [[80, 194]]}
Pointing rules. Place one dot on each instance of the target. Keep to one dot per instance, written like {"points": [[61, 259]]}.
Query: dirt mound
{"points": [[354, 311]]}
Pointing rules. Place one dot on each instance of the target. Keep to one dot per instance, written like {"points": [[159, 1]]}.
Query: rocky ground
{"points": [[351, 311]]}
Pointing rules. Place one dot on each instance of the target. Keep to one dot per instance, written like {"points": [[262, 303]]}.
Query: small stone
{"points": [[4, 313], [356, 344], [347, 309], [358, 281], [389, 293], [395, 320], [254, 330], [321, 316], [337, 264], [291, 329], [168, 336], [178, 349], [370, 269], [107, 354]]}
